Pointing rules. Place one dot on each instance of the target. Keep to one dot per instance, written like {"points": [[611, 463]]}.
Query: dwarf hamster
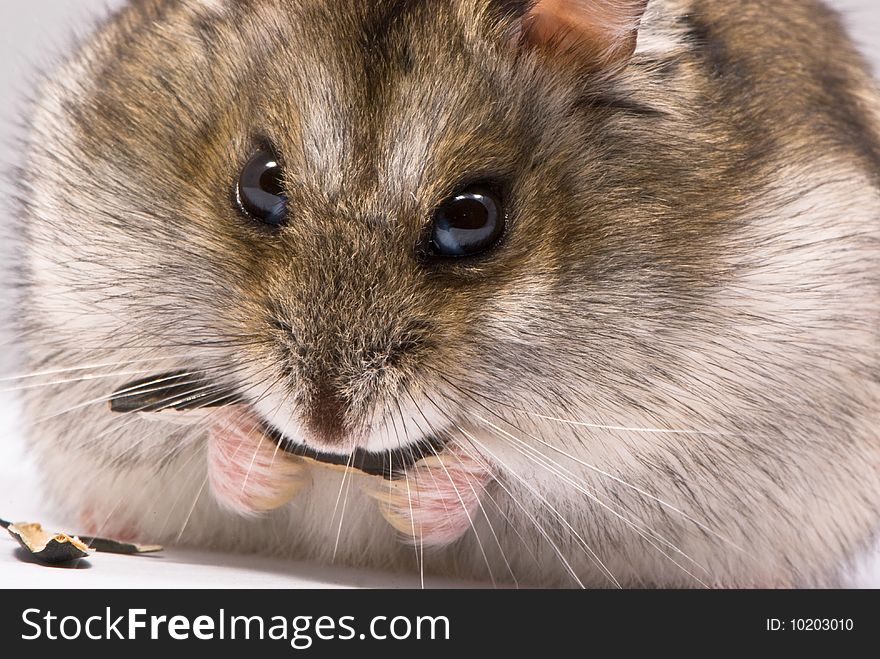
{"points": [[539, 292]]}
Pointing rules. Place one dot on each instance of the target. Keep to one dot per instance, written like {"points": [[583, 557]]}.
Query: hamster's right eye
{"points": [[260, 190]]}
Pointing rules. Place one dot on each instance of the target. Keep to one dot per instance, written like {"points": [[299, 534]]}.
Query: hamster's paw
{"points": [[439, 499], [248, 473]]}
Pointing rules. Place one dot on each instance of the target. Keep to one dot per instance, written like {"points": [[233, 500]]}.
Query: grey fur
{"points": [[692, 251]]}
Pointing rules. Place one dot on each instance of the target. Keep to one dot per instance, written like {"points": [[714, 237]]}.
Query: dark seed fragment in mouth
{"points": [[181, 392], [390, 465], [177, 392]]}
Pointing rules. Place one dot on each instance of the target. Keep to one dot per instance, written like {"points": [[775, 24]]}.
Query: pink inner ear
{"points": [[604, 29]]}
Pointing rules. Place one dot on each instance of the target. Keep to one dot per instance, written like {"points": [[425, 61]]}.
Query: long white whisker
{"points": [[540, 497], [75, 369], [199, 429], [420, 550], [477, 496], [568, 478], [192, 509], [345, 475], [84, 378], [650, 431], [458, 495], [618, 480], [541, 530]]}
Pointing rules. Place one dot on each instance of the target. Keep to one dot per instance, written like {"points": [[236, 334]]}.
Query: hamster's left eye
{"points": [[469, 223], [260, 190]]}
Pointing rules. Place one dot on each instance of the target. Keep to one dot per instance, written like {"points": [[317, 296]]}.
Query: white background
{"points": [[31, 35]]}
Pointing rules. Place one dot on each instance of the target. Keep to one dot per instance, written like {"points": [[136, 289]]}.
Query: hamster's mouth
{"points": [[430, 495], [179, 392], [390, 465]]}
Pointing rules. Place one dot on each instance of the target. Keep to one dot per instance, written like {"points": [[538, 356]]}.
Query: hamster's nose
{"points": [[343, 382], [326, 416]]}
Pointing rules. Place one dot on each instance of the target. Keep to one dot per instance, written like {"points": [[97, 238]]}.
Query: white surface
{"points": [[30, 35]]}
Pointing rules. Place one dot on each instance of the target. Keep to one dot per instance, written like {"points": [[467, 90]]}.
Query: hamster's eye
{"points": [[469, 223], [260, 192]]}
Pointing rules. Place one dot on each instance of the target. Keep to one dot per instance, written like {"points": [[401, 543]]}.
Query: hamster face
{"points": [[350, 311], [583, 252]]}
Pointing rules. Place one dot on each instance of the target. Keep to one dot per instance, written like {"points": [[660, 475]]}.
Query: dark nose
{"points": [[326, 414], [344, 383]]}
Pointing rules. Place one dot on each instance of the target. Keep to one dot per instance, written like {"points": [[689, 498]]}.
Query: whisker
{"points": [[85, 378], [200, 428], [211, 394], [593, 468], [486, 492], [620, 481], [420, 555], [412, 519], [549, 506], [458, 494], [192, 509], [540, 529], [641, 529], [195, 430], [470, 485], [474, 397], [347, 487], [649, 431], [75, 369]]}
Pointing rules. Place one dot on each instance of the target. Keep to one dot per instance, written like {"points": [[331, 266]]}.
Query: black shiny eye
{"points": [[260, 190], [469, 223]]}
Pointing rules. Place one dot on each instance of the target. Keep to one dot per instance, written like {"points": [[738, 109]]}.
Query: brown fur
{"points": [[624, 260]]}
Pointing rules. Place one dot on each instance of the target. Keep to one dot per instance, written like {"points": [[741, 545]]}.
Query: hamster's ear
{"points": [[598, 33]]}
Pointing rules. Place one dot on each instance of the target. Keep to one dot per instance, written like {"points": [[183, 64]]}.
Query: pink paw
{"points": [[248, 474], [438, 501]]}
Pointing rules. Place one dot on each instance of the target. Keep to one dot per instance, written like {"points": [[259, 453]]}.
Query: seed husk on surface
{"points": [[64, 548], [49, 548], [107, 546]]}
